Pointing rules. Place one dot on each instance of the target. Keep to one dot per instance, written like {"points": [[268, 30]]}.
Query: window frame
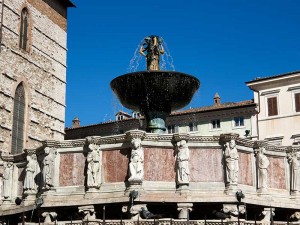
{"points": [[193, 127], [27, 31], [15, 145], [212, 124], [234, 122], [267, 105]]}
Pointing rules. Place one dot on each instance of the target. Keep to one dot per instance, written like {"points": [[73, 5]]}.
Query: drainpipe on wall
{"points": [[1, 24]]}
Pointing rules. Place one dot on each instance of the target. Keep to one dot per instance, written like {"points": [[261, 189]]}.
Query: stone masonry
{"points": [[42, 69]]}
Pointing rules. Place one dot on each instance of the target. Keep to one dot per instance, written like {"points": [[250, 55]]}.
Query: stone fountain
{"points": [[154, 93]]}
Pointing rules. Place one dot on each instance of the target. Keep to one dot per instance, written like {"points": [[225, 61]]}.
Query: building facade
{"points": [[234, 117], [278, 100], [33, 38]]}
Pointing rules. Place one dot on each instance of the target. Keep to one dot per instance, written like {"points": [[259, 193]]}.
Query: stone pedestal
{"points": [[49, 217], [184, 209], [234, 210], [88, 212], [267, 214]]}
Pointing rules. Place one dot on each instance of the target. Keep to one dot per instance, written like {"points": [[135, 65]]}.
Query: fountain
{"points": [[154, 93]]}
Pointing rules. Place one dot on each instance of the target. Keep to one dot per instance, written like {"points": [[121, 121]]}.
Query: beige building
{"points": [[278, 99], [33, 42]]}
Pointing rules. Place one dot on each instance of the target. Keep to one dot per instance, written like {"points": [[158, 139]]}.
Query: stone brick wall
{"points": [[42, 70]]}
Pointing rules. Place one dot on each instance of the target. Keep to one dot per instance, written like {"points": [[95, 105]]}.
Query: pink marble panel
{"points": [[206, 165], [159, 164], [71, 169], [276, 171], [115, 165], [245, 169]]}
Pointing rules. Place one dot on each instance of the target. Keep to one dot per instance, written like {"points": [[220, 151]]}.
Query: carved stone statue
{"points": [[153, 46], [293, 159], [136, 165], [231, 160], [48, 168], [32, 169], [94, 168], [263, 163], [182, 161], [7, 179]]}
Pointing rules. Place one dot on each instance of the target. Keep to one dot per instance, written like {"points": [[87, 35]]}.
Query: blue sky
{"points": [[222, 43]]}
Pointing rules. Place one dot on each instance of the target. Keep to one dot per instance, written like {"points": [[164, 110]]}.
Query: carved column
{"points": [[49, 217], [32, 171], [262, 164], [88, 212], [182, 154], [294, 161], [184, 209], [136, 164], [94, 165], [7, 181], [267, 214], [47, 159], [231, 161]]}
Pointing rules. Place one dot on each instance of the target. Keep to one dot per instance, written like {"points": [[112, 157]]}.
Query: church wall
{"points": [[42, 69]]}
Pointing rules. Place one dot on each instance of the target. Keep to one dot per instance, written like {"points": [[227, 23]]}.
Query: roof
{"points": [[226, 105], [123, 113], [271, 77], [68, 3]]}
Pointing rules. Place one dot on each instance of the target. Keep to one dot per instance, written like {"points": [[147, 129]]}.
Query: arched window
{"points": [[24, 29], [18, 120]]}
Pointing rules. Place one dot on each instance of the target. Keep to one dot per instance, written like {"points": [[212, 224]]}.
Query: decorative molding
{"points": [[228, 136], [270, 92]]}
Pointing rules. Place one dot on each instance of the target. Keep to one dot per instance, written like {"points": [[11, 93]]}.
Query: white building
{"points": [[278, 99]]}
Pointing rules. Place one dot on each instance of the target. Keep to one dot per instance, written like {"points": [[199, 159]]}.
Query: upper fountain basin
{"points": [[162, 91]]}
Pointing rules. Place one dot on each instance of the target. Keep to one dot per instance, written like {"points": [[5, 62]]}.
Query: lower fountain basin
{"points": [[162, 91]]}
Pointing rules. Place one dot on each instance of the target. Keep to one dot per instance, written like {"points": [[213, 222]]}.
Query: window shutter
{"points": [[297, 102], [272, 106]]}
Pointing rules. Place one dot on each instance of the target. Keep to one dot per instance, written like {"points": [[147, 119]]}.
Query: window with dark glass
{"points": [[272, 106], [297, 102], [238, 121], [18, 121], [172, 129], [193, 127], [215, 124], [24, 29]]}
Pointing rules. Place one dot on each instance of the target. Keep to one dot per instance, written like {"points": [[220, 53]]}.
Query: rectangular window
{"points": [[297, 102], [239, 121], [193, 127], [216, 124], [272, 106], [172, 129]]}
